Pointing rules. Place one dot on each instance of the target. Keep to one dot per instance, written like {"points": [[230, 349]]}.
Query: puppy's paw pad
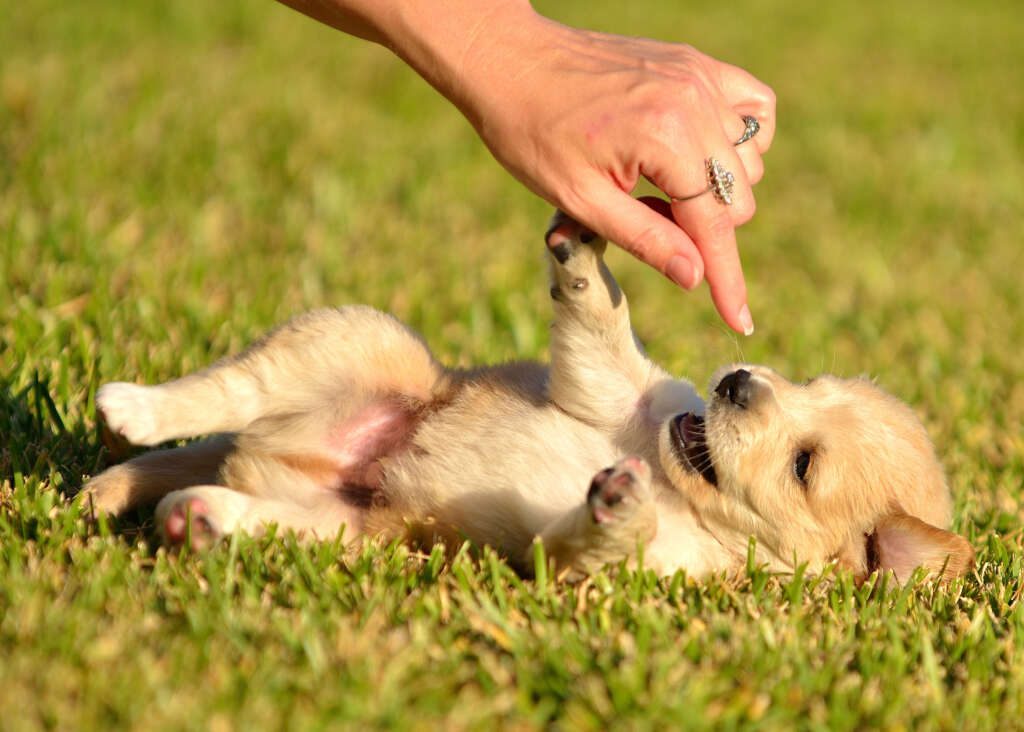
{"points": [[129, 411], [189, 522], [565, 236], [617, 492]]}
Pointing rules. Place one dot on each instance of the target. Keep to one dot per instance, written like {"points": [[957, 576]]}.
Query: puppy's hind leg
{"points": [[355, 352], [147, 478], [201, 515]]}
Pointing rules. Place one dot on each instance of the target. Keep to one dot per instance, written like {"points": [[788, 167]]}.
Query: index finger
{"points": [[709, 224]]}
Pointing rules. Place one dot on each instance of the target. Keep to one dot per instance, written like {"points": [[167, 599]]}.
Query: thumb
{"points": [[642, 231]]}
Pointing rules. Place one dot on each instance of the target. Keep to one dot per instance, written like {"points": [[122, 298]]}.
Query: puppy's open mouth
{"points": [[691, 447]]}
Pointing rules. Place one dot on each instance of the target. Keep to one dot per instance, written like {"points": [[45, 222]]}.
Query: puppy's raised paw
{"points": [[617, 494], [565, 237], [130, 412], [579, 279]]}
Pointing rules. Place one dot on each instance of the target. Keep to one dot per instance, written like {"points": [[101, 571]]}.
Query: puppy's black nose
{"points": [[736, 388]]}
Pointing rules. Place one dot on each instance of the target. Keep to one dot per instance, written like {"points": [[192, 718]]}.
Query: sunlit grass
{"points": [[177, 177]]}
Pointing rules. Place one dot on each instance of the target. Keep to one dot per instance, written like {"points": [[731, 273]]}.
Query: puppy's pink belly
{"points": [[358, 444]]}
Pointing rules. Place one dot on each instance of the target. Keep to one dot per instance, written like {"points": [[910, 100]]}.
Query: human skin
{"points": [[579, 117]]}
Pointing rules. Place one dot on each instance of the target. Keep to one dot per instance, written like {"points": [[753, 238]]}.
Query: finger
{"points": [[683, 185], [747, 95], [643, 232], [749, 155], [677, 165], [563, 226], [743, 205], [711, 224], [712, 229]]}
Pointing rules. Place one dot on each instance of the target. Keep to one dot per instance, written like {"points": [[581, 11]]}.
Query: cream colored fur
{"points": [[343, 417]]}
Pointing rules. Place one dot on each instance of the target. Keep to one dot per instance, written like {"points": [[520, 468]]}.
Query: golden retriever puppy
{"points": [[344, 418]]}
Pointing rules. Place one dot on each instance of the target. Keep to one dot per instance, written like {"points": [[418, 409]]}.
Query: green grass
{"points": [[177, 177]]}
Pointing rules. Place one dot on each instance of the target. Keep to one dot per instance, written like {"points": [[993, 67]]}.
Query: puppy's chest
{"points": [[507, 449]]}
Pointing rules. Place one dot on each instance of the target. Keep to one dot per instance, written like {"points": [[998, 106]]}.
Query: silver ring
{"points": [[752, 127], [720, 182]]}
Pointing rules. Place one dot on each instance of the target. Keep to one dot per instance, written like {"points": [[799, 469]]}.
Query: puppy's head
{"points": [[829, 469]]}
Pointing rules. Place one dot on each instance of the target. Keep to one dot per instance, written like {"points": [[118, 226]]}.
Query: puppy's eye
{"points": [[801, 464]]}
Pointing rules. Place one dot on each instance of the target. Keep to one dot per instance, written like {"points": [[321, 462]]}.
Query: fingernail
{"points": [[746, 320], [682, 272]]}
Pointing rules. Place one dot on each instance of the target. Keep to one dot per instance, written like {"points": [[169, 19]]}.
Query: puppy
{"points": [[343, 418]]}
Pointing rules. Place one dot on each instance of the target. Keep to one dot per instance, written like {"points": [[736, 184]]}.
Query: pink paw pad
{"points": [[564, 234], [616, 491], [188, 522]]}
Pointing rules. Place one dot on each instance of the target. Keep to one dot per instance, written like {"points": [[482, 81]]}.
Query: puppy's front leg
{"points": [[618, 516], [599, 372]]}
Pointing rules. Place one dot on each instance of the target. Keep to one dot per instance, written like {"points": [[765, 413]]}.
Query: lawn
{"points": [[177, 177]]}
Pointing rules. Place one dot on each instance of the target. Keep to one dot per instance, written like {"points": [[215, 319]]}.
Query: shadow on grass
{"points": [[38, 443]]}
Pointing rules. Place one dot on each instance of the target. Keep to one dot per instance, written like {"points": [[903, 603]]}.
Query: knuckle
{"points": [[660, 115], [768, 99], [720, 230], [572, 200], [692, 89], [692, 61], [743, 210], [685, 52], [670, 118], [646, 244], [755, 169], [664, 124], [643, 242], [667, 112]]}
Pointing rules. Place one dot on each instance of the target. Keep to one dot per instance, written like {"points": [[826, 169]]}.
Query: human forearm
{"points": [[444, 41]]}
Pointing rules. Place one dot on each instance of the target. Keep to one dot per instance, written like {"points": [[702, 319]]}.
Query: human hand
{"points": [[579, 117]]}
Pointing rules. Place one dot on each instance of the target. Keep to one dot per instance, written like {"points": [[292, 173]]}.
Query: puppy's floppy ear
{"points": [[901, 543]]}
